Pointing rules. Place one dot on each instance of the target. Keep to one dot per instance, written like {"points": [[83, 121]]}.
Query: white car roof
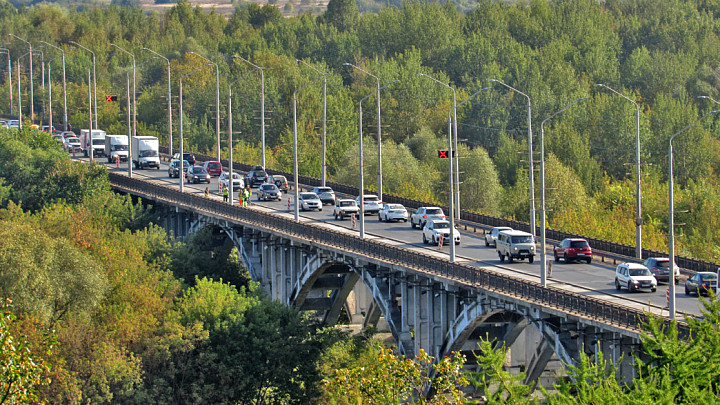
{"points": [[634, 266], [513, 232]]}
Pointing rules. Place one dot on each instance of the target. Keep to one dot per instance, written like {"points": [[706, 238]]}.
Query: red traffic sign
{"points": [[443, 154], [110, 98]]}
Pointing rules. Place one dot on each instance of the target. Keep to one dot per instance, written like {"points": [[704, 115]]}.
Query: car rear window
{"points": [[214, 165], [371, 198], [665, 264], [260, 174], [435, 211], [579, 244], [346, 204], [324, 190], [395, 206]]}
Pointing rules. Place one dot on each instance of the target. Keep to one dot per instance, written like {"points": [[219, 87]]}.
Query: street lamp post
{"points": [[324, 124], [262, 107], [169, 100], [9, 66], [127, 111], [65, 116], [32, 95], [379, 130], [94, 83], [230, 132], [89, 142], [295, 145], [543, 254], [134, 106], [50, 115], [455, 142], [181, 173], [19, 97], [531, 176], [638, 195], [217, 100], [671, 215]]}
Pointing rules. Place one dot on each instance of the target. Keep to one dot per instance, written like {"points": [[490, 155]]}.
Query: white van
{"points": [[515, 245]]}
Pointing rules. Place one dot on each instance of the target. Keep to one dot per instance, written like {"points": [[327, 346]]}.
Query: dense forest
{"points": [[101, 306], [661, 54]]}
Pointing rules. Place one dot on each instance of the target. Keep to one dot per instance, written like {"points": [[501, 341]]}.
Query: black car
{"points": [[197, 174], [701, 283], [269, 191], [186, 156], [174, 168], [255, 177]]}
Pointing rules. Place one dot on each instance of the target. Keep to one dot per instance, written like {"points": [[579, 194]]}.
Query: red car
{"points": [[571, 249], [214, 168]]}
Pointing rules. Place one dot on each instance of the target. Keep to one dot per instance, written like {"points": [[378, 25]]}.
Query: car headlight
{"points": [[532, 247], [515, 248]]}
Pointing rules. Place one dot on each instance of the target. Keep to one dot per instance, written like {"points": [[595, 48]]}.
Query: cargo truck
{"points": [[116, 146], [98, 142], [145, 152]]}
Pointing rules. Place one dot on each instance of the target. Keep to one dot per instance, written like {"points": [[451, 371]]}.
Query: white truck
{"points": [[145, 152], [116, 146], [98, 142]]}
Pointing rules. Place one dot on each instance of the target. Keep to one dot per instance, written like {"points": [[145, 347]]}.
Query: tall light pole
{"points": [[638, 195], [531, 176], [262, 107], [455, 143], [94, 83], [50, 93], [230, 133], [379, 130], [217, 99], [134, 106], [65, 116], [181, 173], [32, 94], [671, 214], [360, 157], [169, 100], [295, 145], [89, 143], [127, 111], [324, 124], [9, 66], [19, 97], [543, 254]]}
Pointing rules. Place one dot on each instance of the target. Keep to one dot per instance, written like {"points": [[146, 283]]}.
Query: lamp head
{"points": [[599, 85], [347, 64], [703, 97]]}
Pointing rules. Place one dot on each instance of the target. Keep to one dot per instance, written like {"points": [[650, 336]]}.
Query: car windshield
{"points": [[120, 147], [73, 140], [268, 187], [434, 211], [198, 170], [236, 176], [639, 272], [148, 153], [522, 239], [579, 244], [347, 203], [394, 206], [441, 225], [308, 196], [98, 142], [708, 277]]}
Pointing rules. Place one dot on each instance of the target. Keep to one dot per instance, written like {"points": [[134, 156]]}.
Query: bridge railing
{"points": [[490, 221], [570, 302]]}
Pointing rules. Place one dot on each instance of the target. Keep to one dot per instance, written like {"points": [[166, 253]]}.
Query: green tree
{"points": [[342, 14]]}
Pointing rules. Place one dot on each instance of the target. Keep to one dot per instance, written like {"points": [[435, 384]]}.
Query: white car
{"points": [[393, 212], [237, 181], [345, 208], [371, 203], [425, 214], [634, 276], [310, 201], [439, 228], [491, 237], [72, 144]]}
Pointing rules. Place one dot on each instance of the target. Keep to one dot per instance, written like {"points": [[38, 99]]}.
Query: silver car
{"points": [[491, 237], [393, 212], [237, 181], [326, 194], [310, 201]]}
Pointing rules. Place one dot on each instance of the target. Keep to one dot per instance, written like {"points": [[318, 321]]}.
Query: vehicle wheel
{"points": [[687, 292], [457, 243], [424, 239], [617, 285], [557, 258], [486, 243], [434, 242], [630, 287], [412, 224], [510, 259], [258, 197], [589, 260], [158, 168], [336, 217], [320, 209], [531, 259], [653, 289], [379, 218], [501, 256], [404, 220], [565, 259]]}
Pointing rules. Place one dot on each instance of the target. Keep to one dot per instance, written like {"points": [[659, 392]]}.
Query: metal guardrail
{"points": [[574, 303], [618, 249]]}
